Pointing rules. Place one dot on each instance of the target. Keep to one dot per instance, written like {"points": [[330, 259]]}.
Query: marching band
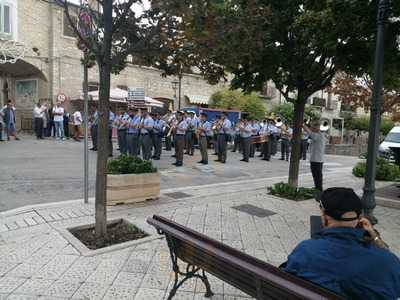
{"points": [[141, 132]]}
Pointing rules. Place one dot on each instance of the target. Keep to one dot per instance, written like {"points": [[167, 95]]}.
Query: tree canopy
{"points": [[235, 99], [298, 44]]}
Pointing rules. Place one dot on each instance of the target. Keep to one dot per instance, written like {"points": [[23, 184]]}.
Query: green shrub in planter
{"points": [[385, 170], [284, 190], [129, 165]]}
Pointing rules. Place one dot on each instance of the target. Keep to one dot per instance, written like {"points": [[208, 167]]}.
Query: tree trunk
{"points": [[102, 156], [104, 64], [296, 139]]}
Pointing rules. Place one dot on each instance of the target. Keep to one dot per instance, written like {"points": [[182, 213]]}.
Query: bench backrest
{"points": [[251, 275]]}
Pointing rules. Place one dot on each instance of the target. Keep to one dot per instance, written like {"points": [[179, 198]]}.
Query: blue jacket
{"points": [[339, 260]]}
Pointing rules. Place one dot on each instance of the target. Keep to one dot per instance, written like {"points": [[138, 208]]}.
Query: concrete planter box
{"points": [[132, 188]]}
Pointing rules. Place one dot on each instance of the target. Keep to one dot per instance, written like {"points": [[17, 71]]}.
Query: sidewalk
{"points": [[38, 262]]}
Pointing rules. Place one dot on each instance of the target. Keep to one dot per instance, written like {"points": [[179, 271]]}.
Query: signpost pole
{"points": [[86, 119]]}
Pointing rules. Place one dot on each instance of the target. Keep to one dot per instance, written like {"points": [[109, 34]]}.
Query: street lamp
{"points": [[368, 198], [175, 87]]}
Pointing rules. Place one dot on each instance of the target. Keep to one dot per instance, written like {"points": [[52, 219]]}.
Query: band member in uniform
{"points": [[317, 151], [168, 137], [215, 133], [190, 133], [111, 118], [146, 130], [203, 131], [224, 128], [286, 136], [179, 139], [254, 132], [237, 139], [121, 123], [246, 132], [159, 125], [304, 144], [132, 133], [266, 130]]}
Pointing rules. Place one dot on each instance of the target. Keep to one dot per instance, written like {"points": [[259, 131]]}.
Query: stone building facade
{"points": [[51, 62]]}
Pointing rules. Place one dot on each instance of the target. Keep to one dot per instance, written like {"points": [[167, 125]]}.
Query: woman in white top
{"points": [[77, 121]]}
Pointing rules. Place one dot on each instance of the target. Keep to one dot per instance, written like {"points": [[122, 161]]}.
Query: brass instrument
{"points": [[324, 126]]}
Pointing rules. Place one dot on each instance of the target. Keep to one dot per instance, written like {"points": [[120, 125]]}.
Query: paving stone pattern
{"points": [[36, 262]]}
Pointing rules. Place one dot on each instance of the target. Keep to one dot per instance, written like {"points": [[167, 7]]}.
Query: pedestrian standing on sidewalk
{"points": [[38, 116], [93, 129], [58, 115], [9, 120], [317, 151], [77, 121]]}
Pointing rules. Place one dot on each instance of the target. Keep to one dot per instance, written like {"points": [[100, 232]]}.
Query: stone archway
{"points": [[21, 82]]}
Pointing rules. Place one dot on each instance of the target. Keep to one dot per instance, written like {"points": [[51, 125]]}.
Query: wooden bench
{"points": [[248, 274]]}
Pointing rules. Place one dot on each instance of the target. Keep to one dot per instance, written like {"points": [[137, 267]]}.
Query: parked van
{"points": [[391, 140]]}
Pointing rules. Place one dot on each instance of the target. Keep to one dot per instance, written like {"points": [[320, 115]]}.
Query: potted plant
{"points": [[131, 179]]}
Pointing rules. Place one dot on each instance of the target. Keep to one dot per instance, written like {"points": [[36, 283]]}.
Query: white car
{"points": [[391, 140]]}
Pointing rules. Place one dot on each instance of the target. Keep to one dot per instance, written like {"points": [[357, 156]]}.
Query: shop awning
{"points": [[119, 95], [198, 99]]}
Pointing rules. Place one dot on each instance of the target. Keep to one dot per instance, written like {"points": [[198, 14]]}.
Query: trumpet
{"points": [[324, 126]]}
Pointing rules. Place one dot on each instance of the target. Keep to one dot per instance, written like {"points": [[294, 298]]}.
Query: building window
{"points": [[7, 16], [68, 31]]}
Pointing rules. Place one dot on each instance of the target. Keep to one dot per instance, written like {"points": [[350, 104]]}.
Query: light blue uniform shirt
{"points": [[121, 119], [257, 128], [158, 126], [195, 123], [148, 122], [207, 129], [134, 121], [247, 131], [226, 127], [111, 118], [181, 128]]}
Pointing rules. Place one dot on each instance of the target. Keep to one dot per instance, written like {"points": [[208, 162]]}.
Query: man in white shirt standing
{"points": [[58, 113], [317, 150], [38, 115], [77, 119]]}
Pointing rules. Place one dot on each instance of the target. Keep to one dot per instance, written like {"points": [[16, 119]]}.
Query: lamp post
{"points": [[175, 87], [375, 118]]}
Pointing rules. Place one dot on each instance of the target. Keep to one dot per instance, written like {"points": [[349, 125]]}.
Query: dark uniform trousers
{"points": [[122, 142], [237, 143], [146, 143], [168, 143], [93, 133], [215, 143], [266, 149], [252, 148], [203, 148], [157, 140], [274, 145], [285, 148], [222, 147], [190, 142], [246, 145], [316, 171], [132, 141], [39, 127], [110, 144], [303, 149], [179, 140]]}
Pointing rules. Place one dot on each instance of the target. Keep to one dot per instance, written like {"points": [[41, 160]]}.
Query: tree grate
{"points": [[178, 195], [254, 210]]}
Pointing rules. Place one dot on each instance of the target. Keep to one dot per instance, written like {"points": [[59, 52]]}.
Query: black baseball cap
{"points": [[337, 201]]}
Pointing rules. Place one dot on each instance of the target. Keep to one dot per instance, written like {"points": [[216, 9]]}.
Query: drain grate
{"points": [[254, 210], [178, 195]]}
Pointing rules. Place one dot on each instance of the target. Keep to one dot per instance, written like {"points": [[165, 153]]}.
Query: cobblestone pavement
{"points": [[37, 261], [31, 170]]}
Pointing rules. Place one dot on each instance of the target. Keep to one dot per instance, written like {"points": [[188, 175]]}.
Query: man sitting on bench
{"points": [[348, 255]]}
